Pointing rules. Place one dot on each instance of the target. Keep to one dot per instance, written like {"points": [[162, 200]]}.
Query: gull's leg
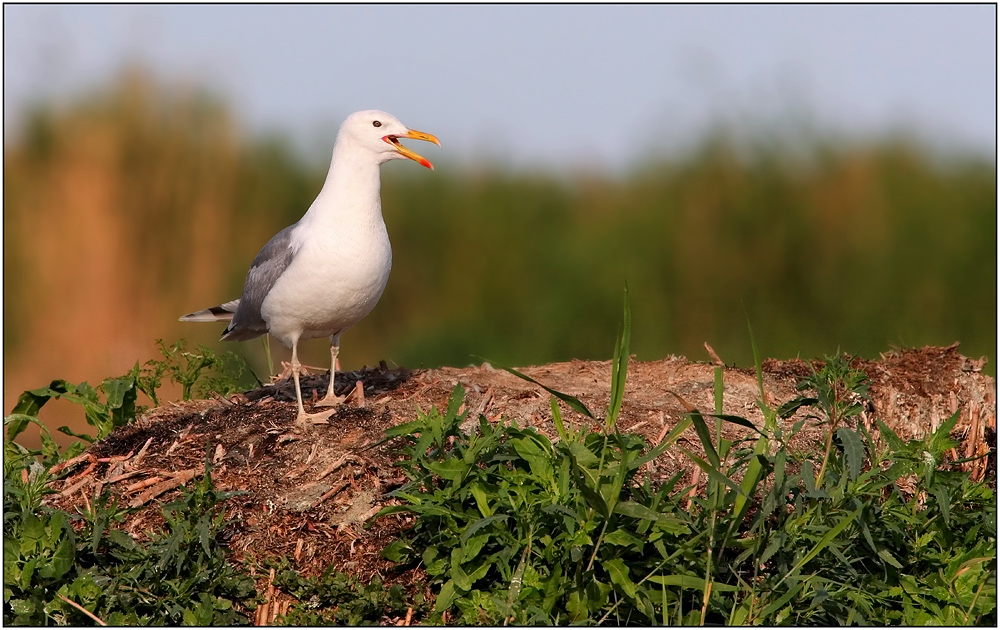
{"points": [[295, 375], [304, 419], [332, 400]]}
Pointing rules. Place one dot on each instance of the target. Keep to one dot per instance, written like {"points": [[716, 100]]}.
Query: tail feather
{"points": [[220, 313]]}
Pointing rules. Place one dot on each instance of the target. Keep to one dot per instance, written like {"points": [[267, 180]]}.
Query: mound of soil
{"points": [[308, 495]]}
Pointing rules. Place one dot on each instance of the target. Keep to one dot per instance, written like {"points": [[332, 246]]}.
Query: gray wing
{"points": [[267, 267]]}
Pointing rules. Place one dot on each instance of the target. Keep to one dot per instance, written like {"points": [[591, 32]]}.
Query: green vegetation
{"points": [[225, 375], [335, 598], [513, 527], [181, 575], [117, 410], [52, 557], [200, 371], [827, 243]]}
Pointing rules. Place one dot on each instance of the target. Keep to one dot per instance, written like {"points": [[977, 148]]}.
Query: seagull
{"points": [[322, 275]]}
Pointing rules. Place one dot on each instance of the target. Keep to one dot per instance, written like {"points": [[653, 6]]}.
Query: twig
{"points": [[358, 392], [68, 491], [270, 586], [85, 473], [69, 601], [116, 458], [179, 479], [145, 483], [180, 438], [312, 453], [663, 431], [329, 493], [694, 487], [55, 470], [142, 453], [635, 426], [482, 406], [71, 481], [222, 400], [263, 615], [334, 466], [715, 358], [972, 440], [370, 513], [298, 549], [123, 476]]}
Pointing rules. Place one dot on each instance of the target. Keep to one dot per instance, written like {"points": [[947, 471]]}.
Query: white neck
{"points": [[351, 191]]}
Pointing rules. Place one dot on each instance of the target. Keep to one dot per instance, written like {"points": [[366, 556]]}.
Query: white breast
{"points": [[337, 276]]}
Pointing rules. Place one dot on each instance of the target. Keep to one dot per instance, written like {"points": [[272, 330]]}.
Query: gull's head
{"points": [[379, 133]]}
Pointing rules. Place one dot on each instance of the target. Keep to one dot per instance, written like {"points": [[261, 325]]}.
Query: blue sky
{"points": [[554, 85]]}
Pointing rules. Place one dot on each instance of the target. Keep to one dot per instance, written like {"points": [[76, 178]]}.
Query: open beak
{"points": [[413, 135]]}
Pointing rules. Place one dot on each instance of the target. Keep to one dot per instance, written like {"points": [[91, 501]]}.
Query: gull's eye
{"points": [[376, 123]]}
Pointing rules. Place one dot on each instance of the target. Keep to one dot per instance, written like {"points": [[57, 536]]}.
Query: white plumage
{"points": [[322, 275]]}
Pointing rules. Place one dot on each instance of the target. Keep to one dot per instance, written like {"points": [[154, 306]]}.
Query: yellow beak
{"points": [[407, 153]]}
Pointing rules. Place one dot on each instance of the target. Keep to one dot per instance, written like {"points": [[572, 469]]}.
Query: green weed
{"points": [[198, 372], [116, 410], [182, 576], [52, 557], [515, 527], [337, 598], [518, 529]]}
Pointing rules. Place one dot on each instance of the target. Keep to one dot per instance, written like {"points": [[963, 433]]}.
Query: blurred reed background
{"points": [[145, 200]]}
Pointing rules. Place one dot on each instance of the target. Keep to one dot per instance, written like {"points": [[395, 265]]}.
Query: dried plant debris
{"points": [[313, 483], [307, 497]]}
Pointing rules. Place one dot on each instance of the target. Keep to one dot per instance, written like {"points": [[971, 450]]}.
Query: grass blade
{"points": [[619, 367], [557, 419], [821, 545], [776, 605], [572, 401], [518, 579], [741, 421], [706, 438], [712, 472]]}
